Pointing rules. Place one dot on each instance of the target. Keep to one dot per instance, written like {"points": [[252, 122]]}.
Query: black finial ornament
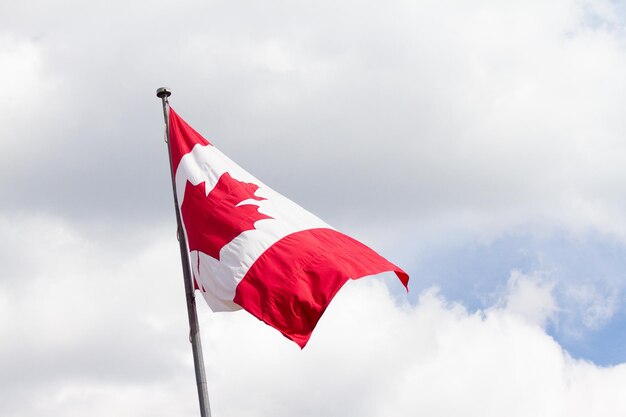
{"points": [[163, 92]]}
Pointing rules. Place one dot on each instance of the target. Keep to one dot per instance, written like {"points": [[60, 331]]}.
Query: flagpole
{"points": [[194, 330]]}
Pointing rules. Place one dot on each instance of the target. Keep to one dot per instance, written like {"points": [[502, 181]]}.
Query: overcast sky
{"points": [[479, 145]]}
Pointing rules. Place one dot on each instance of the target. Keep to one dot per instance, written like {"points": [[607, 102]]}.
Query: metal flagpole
{"points": [[194, 330]]}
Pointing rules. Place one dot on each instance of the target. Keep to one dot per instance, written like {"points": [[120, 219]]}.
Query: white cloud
{"points": [[595, 307], [22, 66], [372, 357], [446, 118], [84, 316], [88, 330], [25, 89], [530, 297]]}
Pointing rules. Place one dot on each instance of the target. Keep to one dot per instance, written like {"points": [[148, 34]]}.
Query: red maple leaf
{"points": [[213, 220]]}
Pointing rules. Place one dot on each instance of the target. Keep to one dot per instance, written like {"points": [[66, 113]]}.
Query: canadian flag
{"points": [[252, 248]]}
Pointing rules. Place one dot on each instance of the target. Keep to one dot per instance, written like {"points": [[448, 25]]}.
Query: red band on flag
{"points": [[292, 282], [182, 139]]}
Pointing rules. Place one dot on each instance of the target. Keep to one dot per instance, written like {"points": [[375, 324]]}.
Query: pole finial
{"points": [[163, 92]]}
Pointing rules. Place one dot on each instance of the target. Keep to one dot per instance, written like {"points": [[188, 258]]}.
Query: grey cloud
{"points": [[338, 110], [348, 129]]}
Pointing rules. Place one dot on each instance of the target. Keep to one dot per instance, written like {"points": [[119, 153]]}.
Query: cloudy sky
{"points": [[479, 145]]}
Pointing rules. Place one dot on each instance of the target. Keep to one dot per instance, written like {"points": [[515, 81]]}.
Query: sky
{"points": [[478, 145]]}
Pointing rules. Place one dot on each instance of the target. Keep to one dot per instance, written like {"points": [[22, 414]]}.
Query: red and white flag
{"points": [[252, 248]]}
